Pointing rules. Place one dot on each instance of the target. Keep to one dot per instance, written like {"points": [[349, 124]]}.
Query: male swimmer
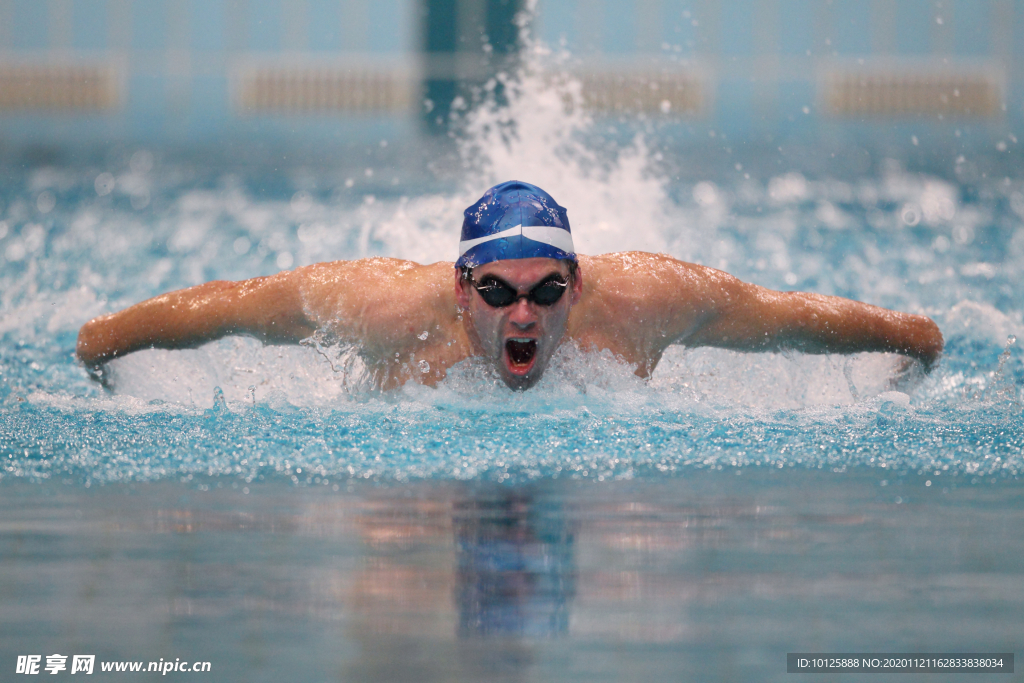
{"points": [[517, 292]]}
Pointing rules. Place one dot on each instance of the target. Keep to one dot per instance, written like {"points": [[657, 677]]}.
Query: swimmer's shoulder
{"points": [[375, 273], [335, 273], [638, 294], [618, 289], [378, 291], [640, 273]]}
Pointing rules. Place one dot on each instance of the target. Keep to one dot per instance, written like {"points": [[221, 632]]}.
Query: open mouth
{"points": [[521, 354]]}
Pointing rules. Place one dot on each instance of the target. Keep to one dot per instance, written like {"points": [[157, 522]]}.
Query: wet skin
{"points": [[413, 322]]}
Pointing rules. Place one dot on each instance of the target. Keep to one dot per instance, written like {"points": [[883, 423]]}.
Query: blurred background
{"points": [[77, 76]]}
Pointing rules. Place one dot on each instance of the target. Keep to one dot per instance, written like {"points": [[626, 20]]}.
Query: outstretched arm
{"points": [[743, 316], [269, 308]]}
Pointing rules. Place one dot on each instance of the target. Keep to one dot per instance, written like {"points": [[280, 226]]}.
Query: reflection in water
{"points": [[711, 576], [515, 573], [467, 563], [458, 583]]}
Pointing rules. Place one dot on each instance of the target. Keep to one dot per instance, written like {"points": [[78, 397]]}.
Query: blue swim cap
{"points": [[511, 221]]}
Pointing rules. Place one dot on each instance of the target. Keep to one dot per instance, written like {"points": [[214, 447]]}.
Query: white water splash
{"points": [[538, 134]]}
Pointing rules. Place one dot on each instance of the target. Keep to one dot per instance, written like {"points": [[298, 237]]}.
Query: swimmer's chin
{"points": [[520, 383]]}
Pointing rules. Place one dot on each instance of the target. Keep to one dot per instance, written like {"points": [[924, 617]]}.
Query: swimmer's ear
{"points": [[577, 286], [461, 290]]}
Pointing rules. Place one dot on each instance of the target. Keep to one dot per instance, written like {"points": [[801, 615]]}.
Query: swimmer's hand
{"points": [[95, 345], [87, 350], [922, 342]]}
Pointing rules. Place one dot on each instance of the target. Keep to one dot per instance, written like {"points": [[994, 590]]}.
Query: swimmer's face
{"points": [[520, 338]]}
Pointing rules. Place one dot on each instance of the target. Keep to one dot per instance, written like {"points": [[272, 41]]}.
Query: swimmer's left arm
{"points": [[268, 308], [367, 301], [741, 316]]}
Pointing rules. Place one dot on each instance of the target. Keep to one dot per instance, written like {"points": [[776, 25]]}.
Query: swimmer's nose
{"points": [[522, 315]]}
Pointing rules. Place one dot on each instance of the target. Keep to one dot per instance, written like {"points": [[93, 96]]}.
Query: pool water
{"points": [[267, 510]]}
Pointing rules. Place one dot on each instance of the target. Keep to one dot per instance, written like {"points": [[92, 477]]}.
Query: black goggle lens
{"points": [[547, 293], [498, 294]]}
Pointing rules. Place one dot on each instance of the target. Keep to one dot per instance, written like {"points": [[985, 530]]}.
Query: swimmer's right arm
{"points": [[746, 317], [700, 306], [268, 308]]}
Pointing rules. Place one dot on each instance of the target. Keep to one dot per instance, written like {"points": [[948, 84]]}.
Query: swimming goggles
{"points": [[498, 294]]}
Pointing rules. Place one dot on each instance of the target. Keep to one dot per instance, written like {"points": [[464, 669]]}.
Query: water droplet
{"points": [[424, 366], [104, 184], [219, 402], [423, 335]]}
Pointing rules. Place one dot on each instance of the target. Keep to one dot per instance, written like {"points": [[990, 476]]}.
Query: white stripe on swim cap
{"points": [[555, 237], [466, 245]]}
